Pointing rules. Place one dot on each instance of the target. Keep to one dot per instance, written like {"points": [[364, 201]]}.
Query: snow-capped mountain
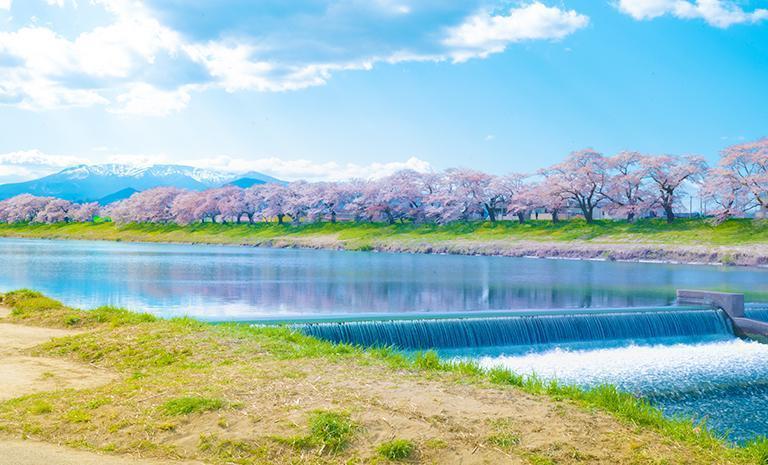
{"points": [[93, 182]]}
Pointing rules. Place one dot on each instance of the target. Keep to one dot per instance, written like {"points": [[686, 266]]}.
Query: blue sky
{"points": [[323, 90]]}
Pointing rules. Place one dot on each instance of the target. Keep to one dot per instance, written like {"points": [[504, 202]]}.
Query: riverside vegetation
{"points": [[735, 241], [249, 395]]}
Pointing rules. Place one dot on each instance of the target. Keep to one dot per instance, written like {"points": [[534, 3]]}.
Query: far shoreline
{"points": [[381, 238]]}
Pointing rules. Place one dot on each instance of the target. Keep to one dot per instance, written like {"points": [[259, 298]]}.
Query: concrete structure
{"points": [[732, 304]]}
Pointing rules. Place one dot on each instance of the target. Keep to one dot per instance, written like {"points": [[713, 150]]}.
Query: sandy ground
{"points": [[22, 374]]}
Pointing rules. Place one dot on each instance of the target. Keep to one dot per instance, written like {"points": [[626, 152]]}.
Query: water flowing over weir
{"points": [[529, 328]]}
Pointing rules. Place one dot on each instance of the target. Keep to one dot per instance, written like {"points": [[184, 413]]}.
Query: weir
{"points": [[523, 328], [697, 314], [746, 323]]}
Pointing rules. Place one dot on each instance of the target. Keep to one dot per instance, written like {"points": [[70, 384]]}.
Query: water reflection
{"points": [[240, 282]]}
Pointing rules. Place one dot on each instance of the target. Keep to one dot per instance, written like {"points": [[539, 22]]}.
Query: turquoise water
{"points": [[227, 283]]}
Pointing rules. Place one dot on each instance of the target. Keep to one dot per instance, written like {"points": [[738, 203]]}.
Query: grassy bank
{"points": [[237, 394], [737, 242], [361, 235]]}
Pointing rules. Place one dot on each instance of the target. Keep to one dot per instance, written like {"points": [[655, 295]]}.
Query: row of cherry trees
{"points": [[26, 208], [627, 185]]}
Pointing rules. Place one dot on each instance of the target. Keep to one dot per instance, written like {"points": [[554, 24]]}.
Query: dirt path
{"points": [[40, 453], [22, 374]]}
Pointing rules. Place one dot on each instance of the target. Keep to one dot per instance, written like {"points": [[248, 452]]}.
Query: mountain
{"points": [[122, 194], [245, 183], [94, 182]]}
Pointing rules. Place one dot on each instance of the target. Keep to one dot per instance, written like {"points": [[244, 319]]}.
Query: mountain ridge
{"points": [[86, 183]]}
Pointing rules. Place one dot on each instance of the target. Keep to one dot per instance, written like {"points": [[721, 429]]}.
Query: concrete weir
{"points": [[732, 304]]}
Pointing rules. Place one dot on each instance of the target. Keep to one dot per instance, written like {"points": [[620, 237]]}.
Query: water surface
{"points": [[222, 282]]}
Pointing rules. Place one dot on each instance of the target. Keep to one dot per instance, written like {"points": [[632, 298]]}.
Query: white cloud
{"points": [[485, 33], [5, 4], [310, 170], [146, 100], [121, 64], [47, 59], [23, 165], [718, 13], [32, 164]]}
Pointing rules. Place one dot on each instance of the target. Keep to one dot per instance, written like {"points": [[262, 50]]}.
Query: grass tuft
{"points": [[188, 405], [397, 449], [332, 430]]}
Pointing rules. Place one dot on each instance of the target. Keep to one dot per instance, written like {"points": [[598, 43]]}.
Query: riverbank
{"points": [[735, 242], [184, 390]]}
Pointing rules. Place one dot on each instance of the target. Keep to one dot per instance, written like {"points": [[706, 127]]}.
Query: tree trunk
{"points": [[555, 218], [390, 218], [491, 213], [280, 217], [333, 217], [630, 217], [521, 217], [669, 213], [589, 215]]}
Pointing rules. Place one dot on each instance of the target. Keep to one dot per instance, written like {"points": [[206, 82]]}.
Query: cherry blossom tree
{"points": [[746, 166], [185, 207], [668, 174], [150, 206], [626, 189], [230, 203], [22, 208], [582, 178], [86, 212], [513, 194], [275, 197], [549, 196], [727, 194], [56, 211]]}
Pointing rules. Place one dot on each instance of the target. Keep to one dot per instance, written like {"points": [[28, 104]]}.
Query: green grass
{"points": [[397, 449], [161, 361], [366, 236], [332, 430], [188, 405]]}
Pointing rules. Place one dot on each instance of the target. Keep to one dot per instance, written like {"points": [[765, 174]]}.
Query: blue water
{"points": [[216, 282], [692, 365]]}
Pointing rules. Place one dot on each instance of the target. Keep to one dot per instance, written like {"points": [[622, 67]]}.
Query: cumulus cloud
{"points": [[485, 33], [120, 63], [32, 164], [718, 13]]}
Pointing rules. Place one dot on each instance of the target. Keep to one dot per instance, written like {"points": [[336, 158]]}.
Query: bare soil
{"points": [[22, 374]]}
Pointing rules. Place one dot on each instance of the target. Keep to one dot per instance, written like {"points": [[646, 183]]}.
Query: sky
{"points": [[318, 89]]}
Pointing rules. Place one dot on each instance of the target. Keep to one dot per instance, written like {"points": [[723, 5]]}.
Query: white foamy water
{"points": [[723, 382], [647, 369]]}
